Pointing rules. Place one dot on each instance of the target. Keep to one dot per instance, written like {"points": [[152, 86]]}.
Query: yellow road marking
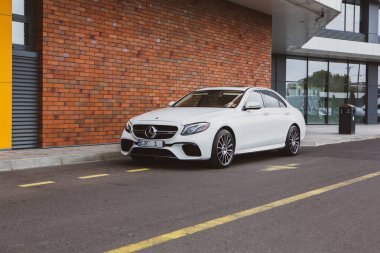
{"points": [[36, 184], [138, 170], [94, 176], [235, 216], [291, 166]]}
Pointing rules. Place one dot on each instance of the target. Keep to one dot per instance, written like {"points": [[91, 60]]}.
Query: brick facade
{"points": [[104, 62]]}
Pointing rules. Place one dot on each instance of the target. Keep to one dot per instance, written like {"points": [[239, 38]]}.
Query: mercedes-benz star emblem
{"points": [[150, 132]]}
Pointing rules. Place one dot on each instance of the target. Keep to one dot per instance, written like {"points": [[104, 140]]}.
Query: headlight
{"points": [[128, 127], [195, 128]]}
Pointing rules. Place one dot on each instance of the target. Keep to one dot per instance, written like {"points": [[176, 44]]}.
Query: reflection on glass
{"points": [[338, 22], [357, 18], [350, 13], [378, 97], [295, 95], [295, 69], [18, 7], [357, 89], [18, 33], [346, 82], [316, 105], [378, 29], [337, 90], [378, 104], [296, 77]]}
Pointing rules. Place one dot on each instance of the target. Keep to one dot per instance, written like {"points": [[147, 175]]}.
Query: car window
{"points": [[270, 101], [282, 103], [211, 98], [255, 97]]}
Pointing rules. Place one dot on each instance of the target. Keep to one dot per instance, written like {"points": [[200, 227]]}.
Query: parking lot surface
{"points": [[327, 199]]}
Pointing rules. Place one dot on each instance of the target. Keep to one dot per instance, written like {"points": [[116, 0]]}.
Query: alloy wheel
{"points": [[294, 140], [225, 149]]}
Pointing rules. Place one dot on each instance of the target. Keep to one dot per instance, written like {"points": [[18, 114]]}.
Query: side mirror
{"points": [[171, 103], [252, 106]]}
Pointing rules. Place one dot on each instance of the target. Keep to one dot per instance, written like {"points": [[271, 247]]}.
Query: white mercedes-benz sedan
{"points": [[215, 124]]}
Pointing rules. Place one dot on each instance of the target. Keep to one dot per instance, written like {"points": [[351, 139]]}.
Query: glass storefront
{"points": [[318, 87]]}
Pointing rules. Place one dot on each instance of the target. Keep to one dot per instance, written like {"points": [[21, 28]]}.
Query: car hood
{"points": [[182, 115]]}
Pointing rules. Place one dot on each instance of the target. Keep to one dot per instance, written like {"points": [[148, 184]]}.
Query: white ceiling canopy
{"points": [[294, 22]]}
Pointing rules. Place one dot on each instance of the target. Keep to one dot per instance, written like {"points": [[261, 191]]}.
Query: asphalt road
{"points": [[114, 208]]}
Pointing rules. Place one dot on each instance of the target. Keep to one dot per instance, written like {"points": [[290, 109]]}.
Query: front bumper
{"points": [[191, 147]]}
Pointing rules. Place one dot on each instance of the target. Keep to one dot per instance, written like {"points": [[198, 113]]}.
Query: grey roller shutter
{"points": [[25, 100]]}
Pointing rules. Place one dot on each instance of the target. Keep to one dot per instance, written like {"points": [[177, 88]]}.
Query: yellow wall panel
{"points": [[6, 74], [5, 48], [6, 7], [5, 115]]}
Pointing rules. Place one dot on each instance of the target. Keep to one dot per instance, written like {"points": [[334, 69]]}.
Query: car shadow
{"points": [[256, 157]]}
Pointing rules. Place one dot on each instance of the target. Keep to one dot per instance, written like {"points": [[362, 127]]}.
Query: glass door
{"points": [[357, 81], [296, 70], [316, 92], [337, 90]]}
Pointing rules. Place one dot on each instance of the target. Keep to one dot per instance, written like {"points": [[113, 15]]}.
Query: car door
{"points": [[279, 117], [251, 124]]}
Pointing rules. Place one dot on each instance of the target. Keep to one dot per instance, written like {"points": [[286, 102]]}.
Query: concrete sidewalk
{"points": [[33, 158], [318, 135]]}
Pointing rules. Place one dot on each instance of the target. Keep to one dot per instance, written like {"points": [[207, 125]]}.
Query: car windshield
{"points": [[211, 98]]}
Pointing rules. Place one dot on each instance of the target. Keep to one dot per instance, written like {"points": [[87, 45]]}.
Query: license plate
{"points": [[150, 143]]}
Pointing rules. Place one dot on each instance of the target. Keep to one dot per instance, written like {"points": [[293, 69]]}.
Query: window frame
{"points": [[352, 20], [27, 18]]}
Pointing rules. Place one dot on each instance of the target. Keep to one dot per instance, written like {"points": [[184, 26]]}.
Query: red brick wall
{"points": [[104, 62]]}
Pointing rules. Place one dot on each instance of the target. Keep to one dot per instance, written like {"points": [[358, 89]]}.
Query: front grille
{"points": [[163, 132], [152, 152]]}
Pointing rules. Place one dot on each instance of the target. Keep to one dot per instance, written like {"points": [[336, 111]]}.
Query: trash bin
{"points": [[346, 119]]}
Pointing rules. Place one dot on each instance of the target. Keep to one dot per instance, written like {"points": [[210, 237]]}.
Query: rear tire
{"points": [[223, 149], [293, 141]]}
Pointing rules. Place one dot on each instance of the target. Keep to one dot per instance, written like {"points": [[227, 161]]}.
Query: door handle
{"points": [[287, 113], [265, 113]]}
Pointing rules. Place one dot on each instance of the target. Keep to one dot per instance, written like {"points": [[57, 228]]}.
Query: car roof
{"points": [[232, 88]]}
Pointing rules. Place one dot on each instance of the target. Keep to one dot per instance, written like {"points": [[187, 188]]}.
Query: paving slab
{"points": [[35, 162], [5, 165], [81, 158]]}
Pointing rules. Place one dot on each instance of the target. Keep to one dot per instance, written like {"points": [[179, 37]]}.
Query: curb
{"points": [[331, 142], [45, 161], [36, 162]]}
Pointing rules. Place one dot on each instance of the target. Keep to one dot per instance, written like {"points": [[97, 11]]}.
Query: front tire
{"points": [[293, 141], [223, 149]]}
